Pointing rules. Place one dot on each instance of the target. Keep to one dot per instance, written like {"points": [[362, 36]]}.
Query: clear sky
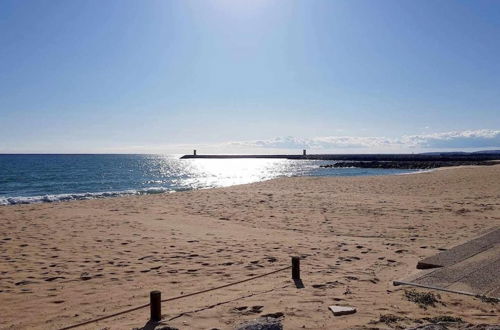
{"points": [[229, 75]]}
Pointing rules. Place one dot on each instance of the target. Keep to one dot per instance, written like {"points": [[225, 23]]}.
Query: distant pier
{"points": [[362, 157]]}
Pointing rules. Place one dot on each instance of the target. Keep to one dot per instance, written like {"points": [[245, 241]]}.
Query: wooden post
{"points": [[155, 303], [194, 152], [296, 268], [304, 152]]}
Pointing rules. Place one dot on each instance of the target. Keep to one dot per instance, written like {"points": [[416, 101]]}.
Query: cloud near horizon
{"points": [[470, 139]]}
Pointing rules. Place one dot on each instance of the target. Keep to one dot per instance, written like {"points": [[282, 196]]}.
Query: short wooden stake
{"points": [[155, 303], [296, 268]]}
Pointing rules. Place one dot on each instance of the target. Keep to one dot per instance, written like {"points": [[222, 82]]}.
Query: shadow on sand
{"points": [[298, 283], [156, 325]]}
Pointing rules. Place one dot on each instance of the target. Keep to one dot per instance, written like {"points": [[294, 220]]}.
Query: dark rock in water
{"points": [[408, 165], [262, 323]]}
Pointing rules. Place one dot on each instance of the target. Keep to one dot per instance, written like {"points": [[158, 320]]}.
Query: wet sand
{"points": [[68, 262]]}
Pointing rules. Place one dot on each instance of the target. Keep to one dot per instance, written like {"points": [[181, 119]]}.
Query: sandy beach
{"points": [[64, 263]]}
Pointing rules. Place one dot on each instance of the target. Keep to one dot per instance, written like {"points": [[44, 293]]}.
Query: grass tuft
{"points": [[423, 299], [389, 318], [488, 300], [443, 318]]}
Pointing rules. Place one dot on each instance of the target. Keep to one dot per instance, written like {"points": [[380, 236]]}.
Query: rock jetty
{"points": [[406, 164]]}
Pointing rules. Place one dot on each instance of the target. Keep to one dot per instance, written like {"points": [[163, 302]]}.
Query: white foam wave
{"points": [[418, 171], [80, 196]]}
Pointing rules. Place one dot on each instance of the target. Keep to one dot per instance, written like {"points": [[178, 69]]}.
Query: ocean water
{"points": [[50, 178]]}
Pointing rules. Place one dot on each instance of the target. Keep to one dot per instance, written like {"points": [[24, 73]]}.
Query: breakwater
{"points": [[364, 157], [411, 165]]}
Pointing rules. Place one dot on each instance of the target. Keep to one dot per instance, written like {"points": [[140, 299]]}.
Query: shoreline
{"points": [[71, 197], [86, 196], [64, 263], [99, 194]]}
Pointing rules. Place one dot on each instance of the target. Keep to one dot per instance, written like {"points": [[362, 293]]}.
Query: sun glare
{"points": [[238, 7]]}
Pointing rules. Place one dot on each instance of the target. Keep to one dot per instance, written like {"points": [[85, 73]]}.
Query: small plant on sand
{"points": [[389, 318], [443, 318], [488, 300], [423, 299]]}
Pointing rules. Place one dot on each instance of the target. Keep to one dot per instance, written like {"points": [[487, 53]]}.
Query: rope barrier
{"points": [[173, 298], [226, 285]]}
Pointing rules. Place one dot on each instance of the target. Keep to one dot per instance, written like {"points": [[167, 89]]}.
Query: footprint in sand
{"points": [[85, 276], [50, 279], [25, 282], [248, 311]]}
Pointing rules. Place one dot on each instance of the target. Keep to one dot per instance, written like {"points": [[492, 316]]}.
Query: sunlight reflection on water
{"points": [[227, 172]]}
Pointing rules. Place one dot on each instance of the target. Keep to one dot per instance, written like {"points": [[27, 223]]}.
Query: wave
{"points": [[80, 196], [418, 171]]}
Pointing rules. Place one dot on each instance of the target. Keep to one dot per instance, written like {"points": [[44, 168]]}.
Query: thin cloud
{"points": [[468, 140], [483, 138]]}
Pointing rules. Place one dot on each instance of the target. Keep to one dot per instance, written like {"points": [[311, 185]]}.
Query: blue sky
{"points": [[261, 75]]}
